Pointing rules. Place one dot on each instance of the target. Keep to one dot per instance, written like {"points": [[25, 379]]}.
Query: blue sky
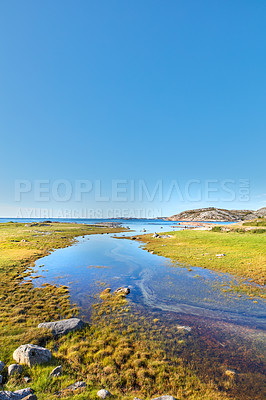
{"points": [[142, 91]]}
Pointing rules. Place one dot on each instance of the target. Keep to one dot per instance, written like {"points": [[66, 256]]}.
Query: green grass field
{"points": [[245, 254]]}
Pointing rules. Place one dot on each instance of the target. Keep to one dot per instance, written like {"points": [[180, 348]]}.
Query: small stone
{"points": [[14, 369], [1, 379], [71, 388], [166, 397], [27, 379], [103, 393], [57, 371], [230, 373], [184, 328], [122, 290], [220, 255], [2, 365], [77, 385]]}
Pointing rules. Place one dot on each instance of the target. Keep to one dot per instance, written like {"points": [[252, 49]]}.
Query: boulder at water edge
{"points": [[31, 354], [122, 290], [63, 326]]}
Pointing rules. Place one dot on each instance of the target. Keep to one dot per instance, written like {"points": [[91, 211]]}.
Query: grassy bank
{"points": [[117, 351], [245, 255]]}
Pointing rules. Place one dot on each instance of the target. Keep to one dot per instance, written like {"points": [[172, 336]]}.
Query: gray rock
{"points": [[2, 365], [77, 385], [103, 393], [1, 379], [57, 371], [31, 354], [122, 290], [30, 397], [17, 395], [14, 369], [63, 326], [71, 388], [155, 235], [27, 379], [166, 397], [220, 255]]}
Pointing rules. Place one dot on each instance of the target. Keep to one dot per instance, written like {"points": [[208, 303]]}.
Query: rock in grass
{"points": [[17, 395], [14, 369], [166, 397], [2, 365], [31, 354], [63, 326], [27, 379], [30, 397], [57, 371], [71, 388], [103, 393]]}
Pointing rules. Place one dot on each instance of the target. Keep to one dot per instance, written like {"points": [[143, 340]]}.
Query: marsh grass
{"points": [[120, 350]]}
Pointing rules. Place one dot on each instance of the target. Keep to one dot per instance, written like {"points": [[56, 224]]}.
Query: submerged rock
{"points": [[63, 326], [31, 354], [103, 393], [16, 395], [14, 369]]}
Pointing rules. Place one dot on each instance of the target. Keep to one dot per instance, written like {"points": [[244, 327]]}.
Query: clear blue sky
{"points": [[140, 90]]}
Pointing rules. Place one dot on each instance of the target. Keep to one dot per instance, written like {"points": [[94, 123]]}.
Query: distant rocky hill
{"points": [[217, 214]]}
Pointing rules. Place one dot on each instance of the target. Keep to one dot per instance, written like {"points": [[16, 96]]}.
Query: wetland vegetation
{"points": [[122, 350]]}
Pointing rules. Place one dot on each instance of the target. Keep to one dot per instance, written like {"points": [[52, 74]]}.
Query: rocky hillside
{"points": [[217, 214]]}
